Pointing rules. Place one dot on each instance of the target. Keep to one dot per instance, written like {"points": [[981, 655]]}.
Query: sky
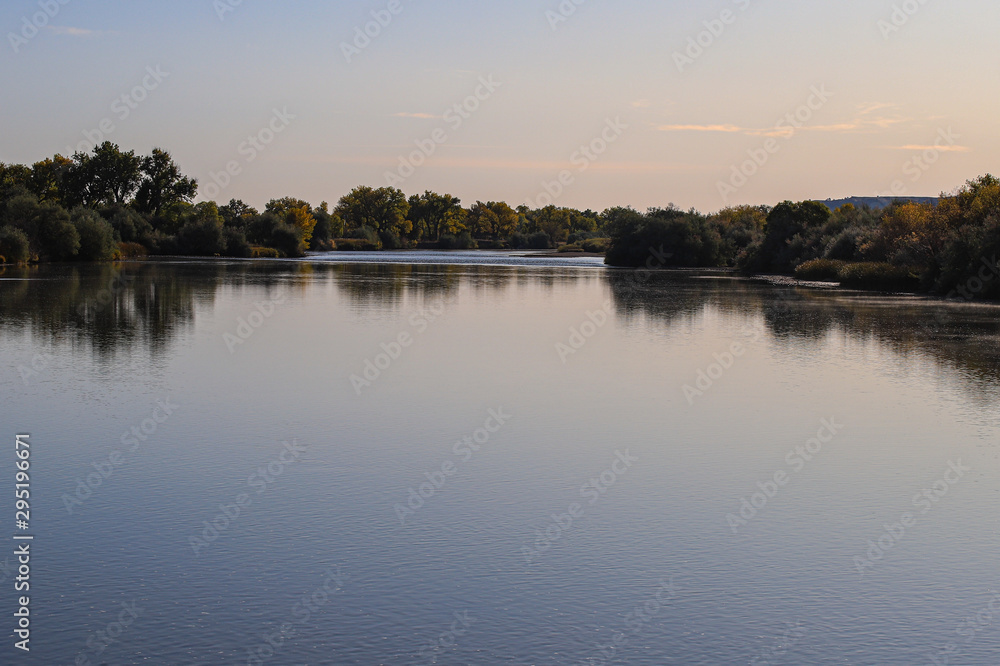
{"points": [[580, 103]]}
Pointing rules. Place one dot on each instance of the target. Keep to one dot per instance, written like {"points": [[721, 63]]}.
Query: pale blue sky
{"points": [[686, 129]]}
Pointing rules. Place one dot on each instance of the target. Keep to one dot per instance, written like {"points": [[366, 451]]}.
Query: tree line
{"points": [[110, 204], [949, 248]]}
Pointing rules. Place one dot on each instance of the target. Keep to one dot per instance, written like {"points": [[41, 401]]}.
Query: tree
{"points": [[14, 245], [431, 212], [130, 226], [163, 184], [50, 233], [238, 215], [47, 177], [382, 209], [494, 219], [297, 214], [15, 180], [784, 231], [556, 222], [620, 220], [201, 234], [327, 228], [97, 237], [108, 176]]}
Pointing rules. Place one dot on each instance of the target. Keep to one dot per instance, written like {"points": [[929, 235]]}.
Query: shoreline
{"points": [[777, 280]]}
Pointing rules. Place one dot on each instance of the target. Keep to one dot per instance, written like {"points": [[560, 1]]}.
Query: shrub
{"points": [[201, 238], [539, 241], [597, 245], [14, 245], [681, 239], [130, 226], [820, 270], [574, 247], [844, 246], [463, 241], [389, 240], [355, 245], [264, 253], [365, 233], [878, 277], [236, 243], [286, 240], [131, 250], [577, 237], [97, 236]]}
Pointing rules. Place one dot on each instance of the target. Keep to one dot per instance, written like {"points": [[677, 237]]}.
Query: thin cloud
{"points": [[856, 126], [641, 104], [943, 149], [74, 32], [421, 116], [543, 166], [865, 109], [729, 129]]}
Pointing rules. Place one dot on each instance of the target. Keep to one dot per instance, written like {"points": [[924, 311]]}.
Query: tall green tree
{"points": [[47, 179], [381, 209], [430, 213], [494, 219], [238, 215], [108, 176], [297, 214], [15, 179], [163, 184]]}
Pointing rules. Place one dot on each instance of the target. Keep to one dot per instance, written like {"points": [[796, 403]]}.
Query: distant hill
{"points": [[876, 203]]}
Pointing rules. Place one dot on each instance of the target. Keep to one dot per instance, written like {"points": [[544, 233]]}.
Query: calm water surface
{"points": [[541, 462]]}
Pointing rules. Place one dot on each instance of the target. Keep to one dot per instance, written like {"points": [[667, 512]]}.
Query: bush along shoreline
{"points": [[950, 247], [111, 205]]}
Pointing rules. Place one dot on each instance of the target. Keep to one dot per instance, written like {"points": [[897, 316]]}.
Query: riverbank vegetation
{"points": [[110, 204], [950, 248]]}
